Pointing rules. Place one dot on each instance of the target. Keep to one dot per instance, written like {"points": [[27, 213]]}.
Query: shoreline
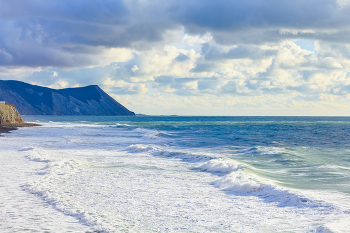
{"points": [[6, 128]]}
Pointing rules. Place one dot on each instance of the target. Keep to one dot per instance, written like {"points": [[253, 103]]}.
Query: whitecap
{"points": [[139, 148], [221, 165]]}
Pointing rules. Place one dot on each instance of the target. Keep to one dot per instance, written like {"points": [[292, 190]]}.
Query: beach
{"points": [[9, 127]]}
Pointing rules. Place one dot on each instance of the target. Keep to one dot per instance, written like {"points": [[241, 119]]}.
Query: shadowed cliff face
{"points": [[9, 115], [36, 100]]}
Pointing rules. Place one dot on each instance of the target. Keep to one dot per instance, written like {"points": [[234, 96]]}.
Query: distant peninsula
{"points": [[81, 101]]}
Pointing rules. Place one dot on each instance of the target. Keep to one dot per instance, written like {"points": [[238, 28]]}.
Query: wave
{"points": [[158, 151], [262, 150], [221, 165], [118, 124], [149, 134], [234, 177], [139, 148], [56, 170], [333, 167], [240, 182]]}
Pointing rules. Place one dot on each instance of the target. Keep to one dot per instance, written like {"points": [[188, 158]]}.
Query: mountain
{"points": [[36, 100]]}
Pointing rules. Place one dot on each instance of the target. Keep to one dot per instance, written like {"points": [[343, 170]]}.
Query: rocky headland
{"points": [[10, 119], [80, 101]]}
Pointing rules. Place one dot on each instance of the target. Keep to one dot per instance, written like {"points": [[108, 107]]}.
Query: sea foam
{"points": [[112, 184], [221, 165], [237, 180]]}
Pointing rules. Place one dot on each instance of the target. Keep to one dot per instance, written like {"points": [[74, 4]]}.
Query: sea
{"points": [[176, 174]]}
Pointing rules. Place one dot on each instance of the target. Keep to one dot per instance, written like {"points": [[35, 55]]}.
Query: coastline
{"points": [[6, 128], [85, 174]]}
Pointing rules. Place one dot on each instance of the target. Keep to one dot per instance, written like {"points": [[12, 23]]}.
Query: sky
{"points": [[193, 57]]}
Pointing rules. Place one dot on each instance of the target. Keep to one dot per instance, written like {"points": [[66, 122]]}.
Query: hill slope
{"points": [[35, 100]]}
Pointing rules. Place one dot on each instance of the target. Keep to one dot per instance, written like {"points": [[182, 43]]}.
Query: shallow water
{"points": [[178, 174]]}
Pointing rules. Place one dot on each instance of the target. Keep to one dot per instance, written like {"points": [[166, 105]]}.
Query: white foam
{"points": [[249, 184], [111, 190], [145, 131], [340, 226], [333, 167], [139, 148], [118, 124], [26, 148], [151, 137], [238, 181], [148, 134], [221, 165], [35, 154], [22, 211], [343, 225], [159, 151], [52, 124]]}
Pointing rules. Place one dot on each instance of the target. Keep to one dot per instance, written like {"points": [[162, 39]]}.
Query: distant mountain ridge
{"points": [[36, 100]]}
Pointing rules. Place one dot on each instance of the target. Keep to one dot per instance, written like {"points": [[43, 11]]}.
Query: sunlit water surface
{"points": [[176, 174]]}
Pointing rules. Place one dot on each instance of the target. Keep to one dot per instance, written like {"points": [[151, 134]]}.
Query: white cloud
{"points": [[134, 68], [184, 55]]}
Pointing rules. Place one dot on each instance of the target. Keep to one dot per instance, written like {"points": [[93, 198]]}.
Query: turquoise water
{"points": [[298, 152], [182, 174]]}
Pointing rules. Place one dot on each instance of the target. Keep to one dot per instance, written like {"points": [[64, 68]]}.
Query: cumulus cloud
{"points": [[180, 50], [58, 32]]}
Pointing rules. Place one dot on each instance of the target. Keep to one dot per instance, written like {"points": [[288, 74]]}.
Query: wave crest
{"points": [[220, 165]]}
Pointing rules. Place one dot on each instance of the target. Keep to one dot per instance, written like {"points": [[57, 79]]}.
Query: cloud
{"points": [[256, 21], [107, 11], [182, 57], [234, 15], [237, 52], [34, 49], [203, 67], [58, 32], [208, 84], [179, 50], [130, 89], [134, 68]]}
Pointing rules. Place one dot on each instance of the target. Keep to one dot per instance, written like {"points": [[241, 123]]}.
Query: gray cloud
{"points": [[203, 67], [106, 12], [208, 84], [127, 90], [179, 85], [307, 98], [70, 34], [235, 14], [182, 57], [239, 52], [229, 88]]}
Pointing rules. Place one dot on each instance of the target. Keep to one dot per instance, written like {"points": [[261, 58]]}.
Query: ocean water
{"points": [[176, 174]]}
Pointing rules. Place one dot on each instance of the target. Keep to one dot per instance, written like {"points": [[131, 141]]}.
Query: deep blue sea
{"points": [[177, 174]]}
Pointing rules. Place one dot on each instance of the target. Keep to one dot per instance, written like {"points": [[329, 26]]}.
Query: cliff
{"points": [[36, 100], [9, 115], [10, 119]]}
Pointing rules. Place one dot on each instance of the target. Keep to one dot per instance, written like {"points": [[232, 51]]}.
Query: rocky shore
{"points": [[10, 119]]}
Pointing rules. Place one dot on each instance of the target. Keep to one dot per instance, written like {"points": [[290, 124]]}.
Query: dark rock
{"points": [[36, 100]]}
